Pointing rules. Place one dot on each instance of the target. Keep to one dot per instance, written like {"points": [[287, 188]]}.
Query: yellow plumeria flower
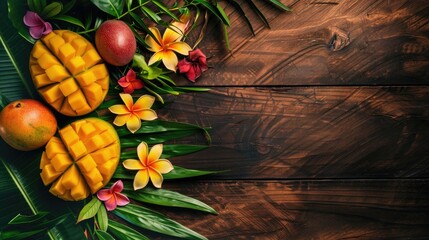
{"points": [[166, 46], [132, 113], [149, 166]]}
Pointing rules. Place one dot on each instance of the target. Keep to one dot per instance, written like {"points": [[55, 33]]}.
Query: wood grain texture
{"points": [[331, 209], [309, 132], [348, 42]]}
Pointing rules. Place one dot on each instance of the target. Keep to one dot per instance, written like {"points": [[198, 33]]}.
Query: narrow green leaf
{"points": [[237, 7], [102, 218], [89, 210], [18, 234], [3, 101], [155, 138], [169, 151], [176, 173], [31, 5], [112, 7], [102, 235], [68, 6], [24, 227], [213, 10], [180, 172], [259, 13], [151, 14], [225, 36], [165, 9], [124, 232], [167, 198], [20, 219], [129, 3], [191, 89], [154, 221], [158, 126], [51, 10], [69, 19], [280, 5], [143, 26], [223, 14]]}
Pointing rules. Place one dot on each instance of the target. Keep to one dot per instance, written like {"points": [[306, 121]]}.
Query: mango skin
{"points": [[115, 42], [27, 124]]}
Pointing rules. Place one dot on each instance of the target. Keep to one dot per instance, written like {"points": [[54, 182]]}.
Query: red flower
{"points": [[193, 65], [130, 82]]}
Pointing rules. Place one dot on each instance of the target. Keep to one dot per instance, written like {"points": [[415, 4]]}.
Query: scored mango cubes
{"points": [[82, 160], [69, 73]]}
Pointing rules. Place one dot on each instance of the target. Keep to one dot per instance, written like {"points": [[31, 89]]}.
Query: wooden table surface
{"points": [[322, 122]]}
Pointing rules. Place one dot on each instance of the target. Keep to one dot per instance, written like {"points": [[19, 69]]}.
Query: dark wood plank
{"points": [[349, 42], [309, 132], [338, 209]]}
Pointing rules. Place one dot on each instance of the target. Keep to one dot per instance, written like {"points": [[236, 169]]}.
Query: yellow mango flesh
{"points": [[68, 73], [81, 160]]}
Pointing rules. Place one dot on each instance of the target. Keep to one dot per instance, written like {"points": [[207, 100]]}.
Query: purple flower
{"points": [[37, 26]]}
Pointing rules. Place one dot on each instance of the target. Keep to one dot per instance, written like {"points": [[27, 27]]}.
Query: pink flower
{"points": [[130, 82], [113, 197], [193, 65], [37, 26]]}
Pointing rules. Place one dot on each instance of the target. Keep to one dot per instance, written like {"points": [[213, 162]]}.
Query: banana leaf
{"points": [[22, 191]]}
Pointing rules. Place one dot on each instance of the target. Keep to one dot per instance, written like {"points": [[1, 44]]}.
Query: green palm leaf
{"points": [[22, 191]]}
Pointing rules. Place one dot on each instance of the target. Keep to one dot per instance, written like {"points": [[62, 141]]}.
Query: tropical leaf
{"points": [[280, 5], [89, 210], [176, 173], [102, 218], [25, 227], [151, 220], [169, 151], [167, 198], [124, 232], [101, 235], [22, 190], [112, 7]]}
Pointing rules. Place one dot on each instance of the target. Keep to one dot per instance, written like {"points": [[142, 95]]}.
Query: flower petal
{"points": [[155, 153], [144, 102], [120, 109], [172, 34], [128, 100], [32, 19], [170, 60], [104, 194], [47, 28], [132, 164], [180, 47], [155, 177], [120, 120], [129, 89], [146, 114], [137, 84], [141, 179], [110, 204], [151, 42], [162, 165], [142, 150], [117, 187], [156, 57], [123, 82], [131, 75], [121, 199], [134, 123], [36, 32], [184, 66]]}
